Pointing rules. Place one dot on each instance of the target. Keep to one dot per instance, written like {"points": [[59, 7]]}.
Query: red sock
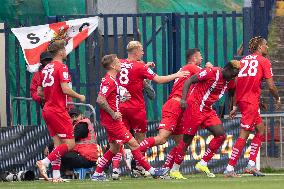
{"points": [[214, 145], [104, 161], [237, 150], [170, 158], [116, 159], [56, 164], [255, 145], [180, 152], [147, 143], [137, 155], [58, 152]]}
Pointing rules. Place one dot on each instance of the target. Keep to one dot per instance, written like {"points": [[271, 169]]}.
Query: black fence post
{"points": [[247, 28], [176, 41]]}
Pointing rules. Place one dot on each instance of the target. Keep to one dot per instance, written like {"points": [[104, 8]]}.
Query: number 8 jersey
{"points": [[52, 75], [254, 68]]}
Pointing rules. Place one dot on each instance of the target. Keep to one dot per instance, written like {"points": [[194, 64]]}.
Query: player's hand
{"points": [[82, 98], [151, 64], [208, 65], [183, 104], [278, 104], [233, 114], [263, 105], [117, 116], [180, 74]]}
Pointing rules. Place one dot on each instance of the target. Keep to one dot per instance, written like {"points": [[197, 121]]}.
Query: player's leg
{"points": [[140, 158], [247, 125], [161, 138], [219, 137], [105, 161], [115, 164], [255, 146]]}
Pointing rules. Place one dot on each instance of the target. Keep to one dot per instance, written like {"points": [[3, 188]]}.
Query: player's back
{"points": [[179, 82], [254, 68], [131, 77], [51, 76]]}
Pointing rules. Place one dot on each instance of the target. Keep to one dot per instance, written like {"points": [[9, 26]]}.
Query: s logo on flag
{"points": [[35, 39]]}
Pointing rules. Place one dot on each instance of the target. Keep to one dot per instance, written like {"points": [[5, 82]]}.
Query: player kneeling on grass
{"points": [[208, 86], [110, 117]]}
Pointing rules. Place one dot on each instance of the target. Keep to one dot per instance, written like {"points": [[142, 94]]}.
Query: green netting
{"points": [[182, 6]]}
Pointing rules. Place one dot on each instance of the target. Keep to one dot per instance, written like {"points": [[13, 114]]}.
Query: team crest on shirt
{"points": [[203, 73], [65, 75], [104, 89], [150, 71]]}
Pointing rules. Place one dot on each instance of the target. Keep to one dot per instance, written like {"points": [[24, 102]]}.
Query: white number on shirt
{"points": [[48, 79], [123, 78], [252, 64]]}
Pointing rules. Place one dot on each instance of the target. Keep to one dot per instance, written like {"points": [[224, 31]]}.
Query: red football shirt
{"points": [[131, 77], [34, 85], [52, 75], [179, 82], [254, 68], [110, 90], [210, 88]]}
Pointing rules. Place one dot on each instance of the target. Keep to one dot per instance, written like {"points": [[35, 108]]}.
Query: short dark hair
{"points": [[233, 64], [191, 52], [107, 60], [254, 43], [45, 58]]}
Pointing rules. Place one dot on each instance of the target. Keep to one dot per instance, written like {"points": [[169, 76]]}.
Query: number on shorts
{"points": [[48, 79], [252, 64]]}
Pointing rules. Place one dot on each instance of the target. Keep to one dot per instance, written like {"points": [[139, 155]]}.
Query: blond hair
{"points": [[55, 46], [133, 45], [235, 64]]}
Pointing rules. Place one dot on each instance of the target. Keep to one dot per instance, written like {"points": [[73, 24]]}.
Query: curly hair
{"points": [[254, 43]]}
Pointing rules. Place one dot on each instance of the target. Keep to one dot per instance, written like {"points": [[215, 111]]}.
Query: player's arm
{"points": [[68, 91], [102, 102], [273, 90], [168, 78], [40, 91], [186, 86]]}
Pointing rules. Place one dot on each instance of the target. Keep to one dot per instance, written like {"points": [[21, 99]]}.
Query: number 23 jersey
{"points": [[131, 77], [52, 75], [254, 68]]}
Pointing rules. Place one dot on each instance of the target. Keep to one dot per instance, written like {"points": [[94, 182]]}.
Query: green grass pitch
{"points": [[193, 182]]}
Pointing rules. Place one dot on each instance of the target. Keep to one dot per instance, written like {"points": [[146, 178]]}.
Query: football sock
{"points": [[237, 150], [213, 146], [147, 143], [104, 161], [170, 158], [255, 145], [180, 152], [58, 152], [137, 155]]}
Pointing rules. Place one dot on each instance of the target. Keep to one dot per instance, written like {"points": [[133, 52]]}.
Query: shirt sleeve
{"points": [[148, 73], [267, 70], [64, 75], [204, 74], [106, 88], [232, 84]]}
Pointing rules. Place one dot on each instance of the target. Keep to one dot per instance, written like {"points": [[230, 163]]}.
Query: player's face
{"points": [[63, 54], [232, 73], [117, 65], [264, 48], [197, 58], [139, 53]]}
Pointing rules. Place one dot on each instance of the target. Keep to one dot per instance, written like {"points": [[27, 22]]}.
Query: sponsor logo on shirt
{"points": [[65, 75], [150, 71], [104, 89], [203, 73]]}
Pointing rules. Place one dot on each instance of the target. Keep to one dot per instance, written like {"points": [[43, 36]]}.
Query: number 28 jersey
{"points": [[52, 75], [254, 68], [131, 77]]}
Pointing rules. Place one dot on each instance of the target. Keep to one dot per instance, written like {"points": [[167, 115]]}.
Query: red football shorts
{"points": [[58, 123], [135, 118], [250, 115], [171, 117], [193, 119], [116, 131]]}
